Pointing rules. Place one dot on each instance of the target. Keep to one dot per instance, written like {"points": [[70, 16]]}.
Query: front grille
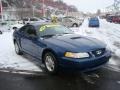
{"points": [[98, 52]]}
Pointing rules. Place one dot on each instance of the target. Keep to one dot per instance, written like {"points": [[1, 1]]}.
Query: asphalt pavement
{"points": [[102, 79]]}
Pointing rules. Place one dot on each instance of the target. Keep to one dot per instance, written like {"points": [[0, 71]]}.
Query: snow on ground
{"points": [[8, 57], [109, 33]]}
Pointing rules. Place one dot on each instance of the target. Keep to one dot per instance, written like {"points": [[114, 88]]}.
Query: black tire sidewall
{"points": [[19, 51], [75, 25], [55, 63]]}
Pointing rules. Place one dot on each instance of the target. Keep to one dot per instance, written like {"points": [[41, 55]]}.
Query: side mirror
{"points": [[15, 28]]}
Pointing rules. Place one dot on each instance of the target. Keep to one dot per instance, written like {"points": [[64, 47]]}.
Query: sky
{"points": [[89, 5]]}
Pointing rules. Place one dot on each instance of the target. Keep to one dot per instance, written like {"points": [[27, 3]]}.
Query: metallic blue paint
{"points": [[65, 43], [94, 22]]}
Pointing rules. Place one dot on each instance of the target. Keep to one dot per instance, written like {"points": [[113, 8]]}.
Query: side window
{"points": [[31, 31], [25, 19], [67, 20], [23, 29], [33, 19]]}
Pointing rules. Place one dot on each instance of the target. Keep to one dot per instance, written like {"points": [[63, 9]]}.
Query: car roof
{"points": [[40, 23], [93, 18]]}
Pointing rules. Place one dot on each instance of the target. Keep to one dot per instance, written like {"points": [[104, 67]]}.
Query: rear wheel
{"points": [[0, 32], [51, 63], [75, 25], [17, 49]]}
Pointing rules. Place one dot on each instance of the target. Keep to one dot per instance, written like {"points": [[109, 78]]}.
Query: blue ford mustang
{"points": [[57, 46]]}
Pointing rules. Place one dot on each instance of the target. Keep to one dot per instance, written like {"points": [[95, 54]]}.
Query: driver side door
{"points": [[28, 39]]}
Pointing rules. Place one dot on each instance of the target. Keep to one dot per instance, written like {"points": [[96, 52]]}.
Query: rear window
{"points": [[25, 19], [94, 19], [33, 19]]}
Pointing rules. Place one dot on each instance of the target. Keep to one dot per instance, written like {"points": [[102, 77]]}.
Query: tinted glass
{"points": [[31, 30], [54, 30], [94, 19], [33, 19], [25, 19]]}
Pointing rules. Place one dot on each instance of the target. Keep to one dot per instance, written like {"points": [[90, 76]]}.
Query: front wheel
{"points": [[51, 63]]}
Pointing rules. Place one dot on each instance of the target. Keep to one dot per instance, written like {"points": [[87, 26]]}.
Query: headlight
{"points": [[76, 55]]}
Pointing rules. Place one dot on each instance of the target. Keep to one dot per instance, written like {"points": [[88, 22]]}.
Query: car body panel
{"points": [[82, 63], [75, 42], [109, 18], [116, 19], [60, 44], [69, 21], [94, 22]]}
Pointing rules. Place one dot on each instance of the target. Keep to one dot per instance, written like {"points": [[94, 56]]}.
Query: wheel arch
{"points": [[48, 50], [75, 24]]}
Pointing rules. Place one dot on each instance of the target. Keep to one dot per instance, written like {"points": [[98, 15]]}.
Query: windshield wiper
{"points": [[67, 33], [51, 35]]}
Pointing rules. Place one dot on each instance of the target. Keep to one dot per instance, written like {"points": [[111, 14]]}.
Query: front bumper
{"points": [[84, 64], [94, 25]]}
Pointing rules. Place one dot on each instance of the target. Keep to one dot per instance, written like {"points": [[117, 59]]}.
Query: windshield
{"points": [[47, 30]]}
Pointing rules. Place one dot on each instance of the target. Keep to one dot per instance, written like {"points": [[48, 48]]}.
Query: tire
{"points": [[75, 25], [0, 32], [51, 63], [17, 49]]}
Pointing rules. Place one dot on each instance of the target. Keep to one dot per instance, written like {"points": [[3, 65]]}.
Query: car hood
{"points": [[76, 43]]}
